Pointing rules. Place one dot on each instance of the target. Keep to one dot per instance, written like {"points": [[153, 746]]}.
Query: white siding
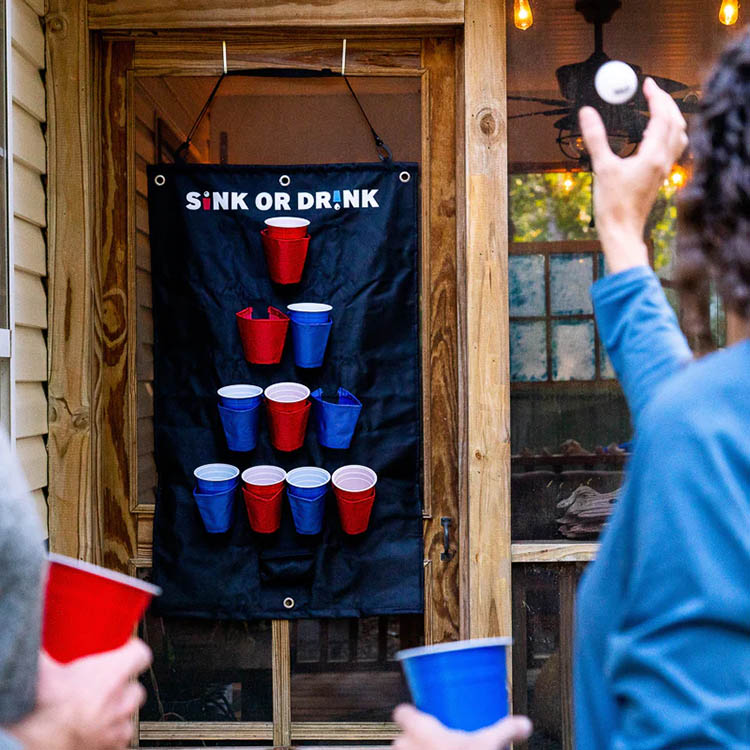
{"points": [[30, 261]]}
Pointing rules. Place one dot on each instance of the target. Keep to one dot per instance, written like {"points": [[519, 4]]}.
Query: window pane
{"points": [[571, 275], [526, 273], [346, 670], [573, 355], [528, 351]]}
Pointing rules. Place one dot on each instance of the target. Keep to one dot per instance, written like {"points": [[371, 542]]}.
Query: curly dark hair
{"points": [[713, 241]]}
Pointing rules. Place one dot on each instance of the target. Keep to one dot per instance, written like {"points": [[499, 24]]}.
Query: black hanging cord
{"points": [[384, 153]]}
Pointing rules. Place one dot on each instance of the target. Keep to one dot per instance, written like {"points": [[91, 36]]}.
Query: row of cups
{"points": [[263, 338], [288, 406], [285, 243], [263, 489]]}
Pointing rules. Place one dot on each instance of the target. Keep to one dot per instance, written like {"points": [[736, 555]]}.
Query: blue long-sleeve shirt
{"points": [[663, 618]]}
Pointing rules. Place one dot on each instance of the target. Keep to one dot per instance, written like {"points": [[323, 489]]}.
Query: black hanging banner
{"points": [[209, 262]]}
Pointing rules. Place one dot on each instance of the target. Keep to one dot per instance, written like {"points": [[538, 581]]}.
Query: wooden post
{"points": [[69, 237], [486, 377]]}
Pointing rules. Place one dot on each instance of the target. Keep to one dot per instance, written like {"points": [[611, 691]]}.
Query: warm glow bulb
{"points": [[729, 12], [568, 183], [522, 15], [677, 177]]}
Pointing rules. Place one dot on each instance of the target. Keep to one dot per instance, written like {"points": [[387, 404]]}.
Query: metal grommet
{"points": [[289, 603], [404, 177], [284, 180], [160, 179]]}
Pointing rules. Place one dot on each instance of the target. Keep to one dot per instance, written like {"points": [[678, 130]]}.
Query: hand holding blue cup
{"points": [[463, 684]]}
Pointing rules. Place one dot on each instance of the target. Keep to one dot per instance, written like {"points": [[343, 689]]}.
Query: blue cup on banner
{"points": [[335, 422], [213, 478], [310, 312], [310, 341], [240, 427], [308, 512], [240, 397], [216, 508], [463, 684], [308, 481]]}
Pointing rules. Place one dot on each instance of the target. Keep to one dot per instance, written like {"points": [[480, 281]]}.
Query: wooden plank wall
{"points": [[28, 227]]}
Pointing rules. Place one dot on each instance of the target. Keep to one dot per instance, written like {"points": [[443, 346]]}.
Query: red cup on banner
{"points": [[286, 227], [288, 428], [354, 482], [285, 257], [264, 480], [88, 609], [264, 513], [355, 514], [263, 338], [287, 396]]}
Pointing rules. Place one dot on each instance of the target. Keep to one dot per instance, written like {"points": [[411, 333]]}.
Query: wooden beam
{"points": [[554, 552], [487, 387], [114, 379], [175, 14], [281, 669], [69, 237]]}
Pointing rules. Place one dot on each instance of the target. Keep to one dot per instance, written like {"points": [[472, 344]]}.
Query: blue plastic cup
{"points": [[240, 427], [308, 481], [213, 478], [308, 512], [463, 684], [335, 423], [310, 312], [216, 509], [240, 397], [310, 341]]}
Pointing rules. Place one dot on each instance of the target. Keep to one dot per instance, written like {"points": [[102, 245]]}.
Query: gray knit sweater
{"points": [[21, 570]]}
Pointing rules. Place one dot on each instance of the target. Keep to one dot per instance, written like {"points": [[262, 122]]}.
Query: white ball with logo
{"points": [[616, 82]]}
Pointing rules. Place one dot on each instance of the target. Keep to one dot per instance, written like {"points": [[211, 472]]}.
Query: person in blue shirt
{"points": [[662, 654]]}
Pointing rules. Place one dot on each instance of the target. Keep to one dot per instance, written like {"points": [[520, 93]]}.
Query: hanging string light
{"points": [[677, 177], [522, 15], [729, 12]]}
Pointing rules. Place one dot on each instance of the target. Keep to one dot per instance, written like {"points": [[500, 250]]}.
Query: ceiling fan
{"points": [[625, 123]]}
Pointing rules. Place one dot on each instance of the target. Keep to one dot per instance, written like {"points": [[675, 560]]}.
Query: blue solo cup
{"points": [[335, 422], [213, 478], [240, 428], [463, 684], [310, 341], [308, 512], [240, 397], [216, 509], [308, 481], [310, 312]]}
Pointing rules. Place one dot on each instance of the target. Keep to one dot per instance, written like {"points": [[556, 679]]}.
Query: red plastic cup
{"points": [[355, 514], [88, 609], [286, 227], [264, 480], [264, 513], [287, 428], [263, 338], [285, 257], [354, 482], [287, 396]]}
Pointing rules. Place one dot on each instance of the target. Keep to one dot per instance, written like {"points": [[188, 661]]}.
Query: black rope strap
{"points": [[384, 153]]}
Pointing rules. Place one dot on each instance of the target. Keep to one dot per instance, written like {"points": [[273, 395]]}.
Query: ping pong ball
{"points": [[616, 82]]}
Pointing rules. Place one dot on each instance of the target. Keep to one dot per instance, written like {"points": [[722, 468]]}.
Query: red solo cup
{"points": [[355, 514], [285, 257], [286, 227], [287, 396], [288, 428], [88, 609], [264, 480], [354, 482], [264, 513], [263, 338]]}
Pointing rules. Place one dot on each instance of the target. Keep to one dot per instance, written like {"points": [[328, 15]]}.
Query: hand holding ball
{"points": [[616, 82]]}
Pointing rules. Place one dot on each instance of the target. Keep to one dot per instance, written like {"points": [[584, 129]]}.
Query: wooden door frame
{"points": [[90, 395]]}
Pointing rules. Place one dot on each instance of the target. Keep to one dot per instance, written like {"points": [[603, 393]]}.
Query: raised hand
{"points": [[625, 189]]}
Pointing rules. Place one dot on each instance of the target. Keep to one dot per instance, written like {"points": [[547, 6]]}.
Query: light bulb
{"points": [[677, 177], [568, 183], [729, 12], [522, 15]]}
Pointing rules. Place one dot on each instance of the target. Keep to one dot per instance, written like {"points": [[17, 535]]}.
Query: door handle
{"points": [[447, 554]]}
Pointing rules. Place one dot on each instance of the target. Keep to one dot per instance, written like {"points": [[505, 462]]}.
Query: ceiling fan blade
{"points": [[667, 84], [538, 100], [546, 113]]}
